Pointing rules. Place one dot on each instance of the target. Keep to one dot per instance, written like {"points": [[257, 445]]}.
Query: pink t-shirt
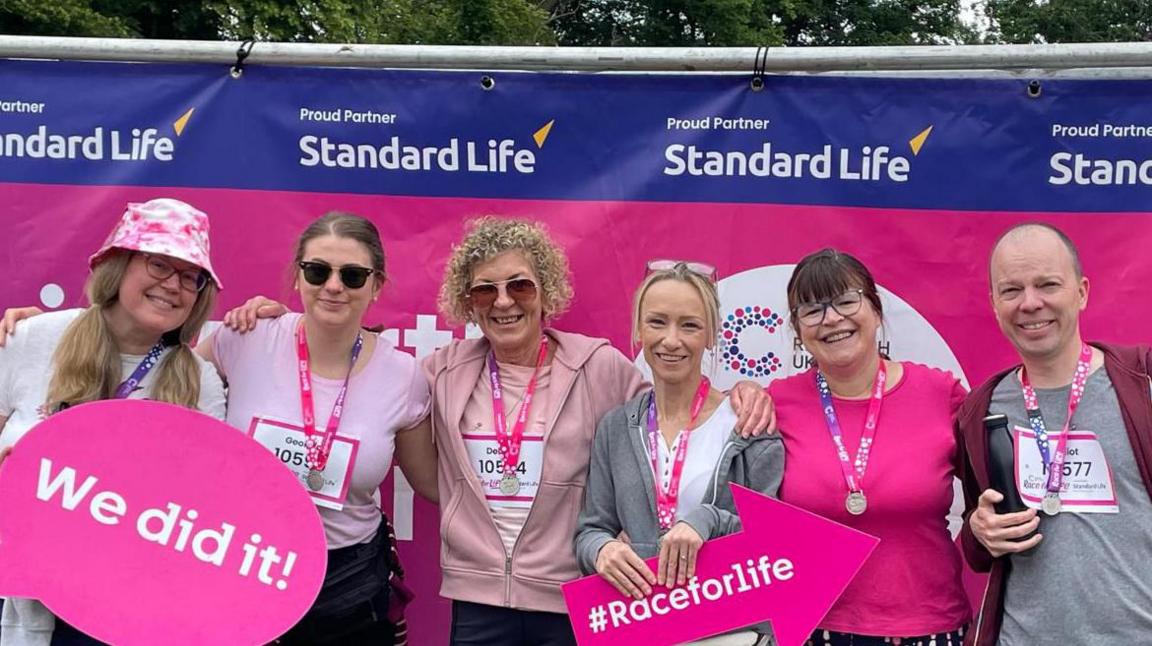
{"points": [[388, 394], [911, 584], [509, 516]]}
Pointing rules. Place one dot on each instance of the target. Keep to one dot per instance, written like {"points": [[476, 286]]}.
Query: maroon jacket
{"points": [[1127, 367]]}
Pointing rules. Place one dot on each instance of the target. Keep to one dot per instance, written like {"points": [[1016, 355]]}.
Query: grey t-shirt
{"points": [[1090, 580]]}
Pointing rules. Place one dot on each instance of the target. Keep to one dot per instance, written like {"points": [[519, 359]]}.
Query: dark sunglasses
{"points": [[518, 289], [317, 273]]}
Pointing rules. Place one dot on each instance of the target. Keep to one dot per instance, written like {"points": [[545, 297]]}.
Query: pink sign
{"points": [[140, 522], [788, 566]]}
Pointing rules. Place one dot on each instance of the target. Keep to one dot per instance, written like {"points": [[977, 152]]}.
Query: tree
{"points": [[760, 22], [1069, 21], [461, 22]]}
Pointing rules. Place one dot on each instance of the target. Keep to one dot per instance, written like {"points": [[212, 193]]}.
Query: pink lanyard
{"points": [[856, 502], [509, 443], [666, 499], [1055, 463], [318, 447]]}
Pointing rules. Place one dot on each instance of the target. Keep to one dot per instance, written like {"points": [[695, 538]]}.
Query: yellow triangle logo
{"points": [[918, 141], [542, 134], [182, 121]]}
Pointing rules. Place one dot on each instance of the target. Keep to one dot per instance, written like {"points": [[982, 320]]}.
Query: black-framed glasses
{"points": [[317, 273], [846, 304], [666, 264], [192, 280], [518, 289]]}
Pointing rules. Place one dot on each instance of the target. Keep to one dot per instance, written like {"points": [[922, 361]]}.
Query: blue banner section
{"points": [[958, 144]]}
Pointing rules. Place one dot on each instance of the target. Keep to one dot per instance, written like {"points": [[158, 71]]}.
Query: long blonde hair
{"points": [[87, 361]]}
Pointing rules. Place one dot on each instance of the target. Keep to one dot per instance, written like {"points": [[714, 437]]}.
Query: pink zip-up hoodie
{"points": [[589, 378]]}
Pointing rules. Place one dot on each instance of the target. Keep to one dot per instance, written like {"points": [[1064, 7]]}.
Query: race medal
{"points": [[856, 503], [1055, 460], [318, 446], [509, 485], [511, 441], [315, 480]]}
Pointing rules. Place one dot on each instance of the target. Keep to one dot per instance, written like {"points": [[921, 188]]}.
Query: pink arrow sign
{"points": [[788, 566], [145, 523]]}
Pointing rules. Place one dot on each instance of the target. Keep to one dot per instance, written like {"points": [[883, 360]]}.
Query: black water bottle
{"points": [[1001, 464]]}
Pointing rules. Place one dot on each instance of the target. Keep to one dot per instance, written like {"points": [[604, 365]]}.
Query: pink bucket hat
{"points": [[163, 226]]}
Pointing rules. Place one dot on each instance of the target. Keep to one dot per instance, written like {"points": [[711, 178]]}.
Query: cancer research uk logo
{"points": [[132, 144], [757, 343]]}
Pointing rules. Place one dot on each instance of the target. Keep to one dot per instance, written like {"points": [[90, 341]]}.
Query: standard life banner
{"points": [[916, 177]]}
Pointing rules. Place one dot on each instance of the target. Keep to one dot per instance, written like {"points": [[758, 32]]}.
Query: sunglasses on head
{"points": [[664, 264], [317, 273], [518, 289]]}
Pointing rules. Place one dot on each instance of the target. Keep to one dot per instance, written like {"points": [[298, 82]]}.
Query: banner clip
{"points": [[1034, 89], [241, 55], [761, 62]]}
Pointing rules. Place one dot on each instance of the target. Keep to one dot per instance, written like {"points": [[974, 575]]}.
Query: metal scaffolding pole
{"points": [[595, 59]]}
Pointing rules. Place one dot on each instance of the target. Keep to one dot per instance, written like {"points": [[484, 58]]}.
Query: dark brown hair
{"points": [[824, 275]]}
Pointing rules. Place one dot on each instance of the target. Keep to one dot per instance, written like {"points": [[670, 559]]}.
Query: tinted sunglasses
{"points": [[518, 289], [664, 264], [317, 273]]}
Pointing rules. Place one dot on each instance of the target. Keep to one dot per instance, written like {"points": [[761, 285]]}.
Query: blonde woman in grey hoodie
{"points": [[676, 443]]}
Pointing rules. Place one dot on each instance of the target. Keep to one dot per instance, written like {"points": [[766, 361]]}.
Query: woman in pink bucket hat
{"points": [[150, 290]]}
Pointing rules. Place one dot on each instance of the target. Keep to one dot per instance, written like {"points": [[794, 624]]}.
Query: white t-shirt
{"points": [[25, 372], [705, 445]]}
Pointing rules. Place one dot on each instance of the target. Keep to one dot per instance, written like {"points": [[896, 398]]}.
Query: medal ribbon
{"points": [[129, 385], [509, 443], [1055, 462], [666, 499], [854, 477], [319, 446]]}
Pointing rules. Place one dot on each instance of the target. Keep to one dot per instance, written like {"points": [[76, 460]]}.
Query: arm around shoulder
{"points": [[763, 474]]}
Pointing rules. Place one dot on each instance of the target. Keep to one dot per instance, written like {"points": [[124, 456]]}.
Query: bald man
{"points": [[1076, 567]]}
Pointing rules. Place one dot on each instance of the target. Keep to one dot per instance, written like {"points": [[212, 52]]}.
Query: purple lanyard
{"points": [[854, 477], [145, 366], [1055, 462]]}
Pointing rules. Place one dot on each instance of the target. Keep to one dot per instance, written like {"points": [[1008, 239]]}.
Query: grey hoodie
{"points": [[621, 469]]}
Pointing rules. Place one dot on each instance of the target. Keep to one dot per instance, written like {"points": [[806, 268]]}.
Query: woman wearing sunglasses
{"points": [[870, 445], [150, 290], [335, 403], [677, 443]]}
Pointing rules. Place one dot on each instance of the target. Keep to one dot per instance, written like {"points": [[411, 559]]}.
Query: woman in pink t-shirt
{"points": [[360, 391], [869, 444]]}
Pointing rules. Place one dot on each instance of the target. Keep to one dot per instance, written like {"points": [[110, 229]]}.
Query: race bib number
{"points": [[286, 441], [1087, 487], [484, 454]]}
